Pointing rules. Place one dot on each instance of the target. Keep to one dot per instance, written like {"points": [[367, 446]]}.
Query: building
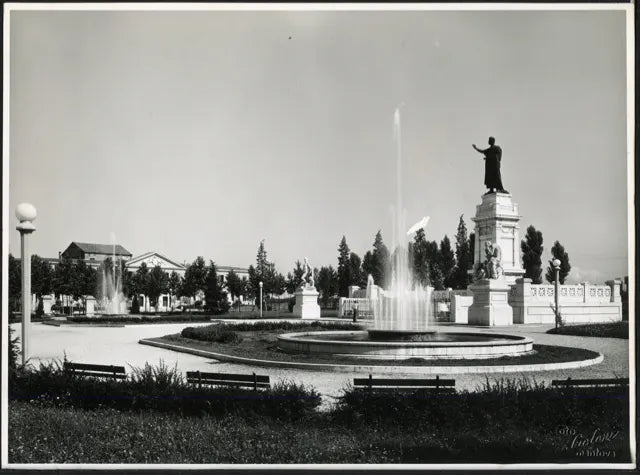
{"points": [[94, 254]]}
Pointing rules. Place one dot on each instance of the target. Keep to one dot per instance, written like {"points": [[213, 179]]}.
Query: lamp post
{"points": [[260, 284], [25, 213], [556, 266]]}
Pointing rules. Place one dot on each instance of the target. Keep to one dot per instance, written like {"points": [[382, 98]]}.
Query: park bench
{"points": [[95, 370], [590, 383], [223, 379], [437, 385]]}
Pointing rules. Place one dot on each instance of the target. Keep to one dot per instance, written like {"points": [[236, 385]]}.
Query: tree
{"points": [[378, 262], [84, 281], [418, 258], [235, 286], [265, 272], [174, 285], [215, 297], [41, 277], [464, 258], [157, 284], [355, 269], [140, 280], [194, 277], [327, 283], [63, 278], [447, 261], [15, 283], [558, 252], [344, 268], [531, 255], [294, 280]]}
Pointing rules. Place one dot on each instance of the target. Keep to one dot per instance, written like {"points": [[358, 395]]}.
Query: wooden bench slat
{"points": [[406, 390], [227, 377], [100, 375], [230, 383], [404, 382], [94, 367], [591, 382]]}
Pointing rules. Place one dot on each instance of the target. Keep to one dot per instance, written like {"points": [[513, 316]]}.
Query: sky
{"points": [[202, 133]]}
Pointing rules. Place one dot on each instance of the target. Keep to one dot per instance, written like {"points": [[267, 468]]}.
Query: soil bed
{"points": [[263, 345]]}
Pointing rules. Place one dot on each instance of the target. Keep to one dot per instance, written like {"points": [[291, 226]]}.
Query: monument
{"points": [[496, 260], [490, 291], [306, 305], [497, 219]]}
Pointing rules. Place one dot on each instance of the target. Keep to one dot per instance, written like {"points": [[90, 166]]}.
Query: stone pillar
{"points": [[496, 221], [91, 305], [306, 305], [490, 305], [518, 296], [615, 290], [47, 301]]}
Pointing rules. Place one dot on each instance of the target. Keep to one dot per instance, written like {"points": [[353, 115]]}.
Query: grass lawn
{"points": [[603, 330], [262, 344], [40, 434]]}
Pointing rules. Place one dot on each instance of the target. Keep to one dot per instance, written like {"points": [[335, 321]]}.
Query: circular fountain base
{"points": [[440, 345], [401, 335]]}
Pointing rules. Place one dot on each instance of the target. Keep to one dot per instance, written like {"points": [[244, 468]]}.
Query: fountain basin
{"points": [[444, 345]]}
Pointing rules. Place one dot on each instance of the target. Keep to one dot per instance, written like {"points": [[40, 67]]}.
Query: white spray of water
{"points": [[111, 297], [403, 306]]}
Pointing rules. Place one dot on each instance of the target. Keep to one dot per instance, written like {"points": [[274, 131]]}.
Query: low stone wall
{"points": [[460, 308], [582, 303]]}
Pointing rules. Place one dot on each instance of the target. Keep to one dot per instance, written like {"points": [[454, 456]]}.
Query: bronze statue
{"points": [[492, 158]]}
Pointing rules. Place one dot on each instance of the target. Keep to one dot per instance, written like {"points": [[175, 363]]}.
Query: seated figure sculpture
{"points": [[493, 262]]}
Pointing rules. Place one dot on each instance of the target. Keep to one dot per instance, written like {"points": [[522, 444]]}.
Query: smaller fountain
{"points": [[110, 295]]}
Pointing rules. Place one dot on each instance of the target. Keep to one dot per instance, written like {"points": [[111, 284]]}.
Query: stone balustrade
{"points": [[580, 303]]}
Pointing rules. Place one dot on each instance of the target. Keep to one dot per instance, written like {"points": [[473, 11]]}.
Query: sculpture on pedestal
{"points": [[491, 268], [307, 276], [492, 158]]}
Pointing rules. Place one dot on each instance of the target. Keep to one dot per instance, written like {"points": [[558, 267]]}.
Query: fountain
{"points": [[111, 298], [403, 313]]}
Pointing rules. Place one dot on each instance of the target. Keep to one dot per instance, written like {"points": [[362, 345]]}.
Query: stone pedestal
{"points": [[91, 305], [306, 305], [47, 302], [490, 305], [496, 221]]}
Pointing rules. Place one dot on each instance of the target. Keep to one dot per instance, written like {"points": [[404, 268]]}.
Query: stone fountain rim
{"points": [[299, 337]]}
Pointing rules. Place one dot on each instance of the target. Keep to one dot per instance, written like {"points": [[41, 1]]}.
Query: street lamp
{"points": [[260, 284], [556, 265], [25, 213]]}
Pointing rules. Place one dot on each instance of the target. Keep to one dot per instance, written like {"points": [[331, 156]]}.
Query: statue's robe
{"points": [[492, 177]]}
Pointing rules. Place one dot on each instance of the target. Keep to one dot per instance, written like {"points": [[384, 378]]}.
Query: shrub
{"points": [[140, 319], [214, 332], [502, 403], [606, 330], [135, 305], [14, 351], [161, 389]]}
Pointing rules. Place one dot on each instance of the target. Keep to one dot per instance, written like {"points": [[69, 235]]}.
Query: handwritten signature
{"points": [[595, 443]]}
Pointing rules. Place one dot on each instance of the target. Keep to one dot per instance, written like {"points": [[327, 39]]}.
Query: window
{"points": [[165, 301]]}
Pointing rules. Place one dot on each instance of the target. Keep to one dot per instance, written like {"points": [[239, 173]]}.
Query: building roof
{"points": [[135, 260], [243, 270], [108, 249]]}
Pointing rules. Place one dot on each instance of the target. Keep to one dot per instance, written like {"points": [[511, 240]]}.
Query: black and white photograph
{"points": [[318, 236]]}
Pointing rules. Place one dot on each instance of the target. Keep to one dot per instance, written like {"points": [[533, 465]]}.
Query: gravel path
{"points": [[119, 345]]}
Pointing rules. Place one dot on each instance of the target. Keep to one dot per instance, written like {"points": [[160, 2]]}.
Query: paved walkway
{"points": [[119, 345]]}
